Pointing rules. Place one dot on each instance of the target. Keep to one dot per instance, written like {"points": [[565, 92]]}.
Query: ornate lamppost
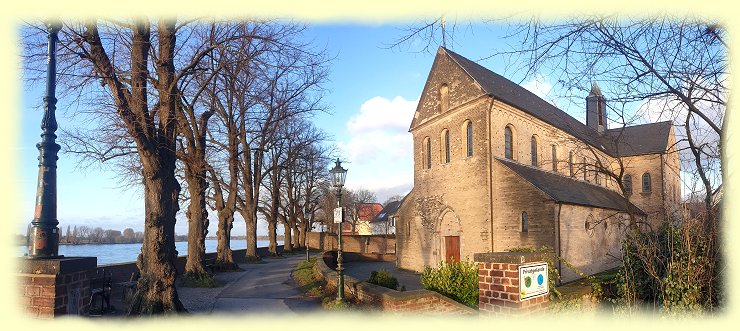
{"points": [[338, 174], [306, 215], [44, 231]]}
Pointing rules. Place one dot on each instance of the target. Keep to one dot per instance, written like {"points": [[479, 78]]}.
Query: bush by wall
{"points": [[457, 280], [383, 278], [675, 269]]}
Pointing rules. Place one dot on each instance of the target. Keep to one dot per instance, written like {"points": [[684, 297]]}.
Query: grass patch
{"points": [[205, 280], [307, 282]]}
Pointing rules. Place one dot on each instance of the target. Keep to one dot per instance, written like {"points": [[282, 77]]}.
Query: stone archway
{"points": [[449, 236]]}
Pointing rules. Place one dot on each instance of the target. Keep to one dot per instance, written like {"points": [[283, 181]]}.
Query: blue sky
{"points": [[372, 95]]}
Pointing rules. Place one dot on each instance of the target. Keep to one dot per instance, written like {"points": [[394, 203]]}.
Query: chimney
{"points": [[596, 109]]}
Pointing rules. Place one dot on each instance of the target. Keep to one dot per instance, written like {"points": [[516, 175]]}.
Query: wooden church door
{"points": [[452, 248]]}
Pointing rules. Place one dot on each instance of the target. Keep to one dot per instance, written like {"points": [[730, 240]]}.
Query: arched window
{"points": [[570, 163], [508, 143], [428, 153], [583, 168], [646, 185], [534, 150], [627, 181], [554, 159], [525, 222], [446, 141], [469, 137], [444, 98]]}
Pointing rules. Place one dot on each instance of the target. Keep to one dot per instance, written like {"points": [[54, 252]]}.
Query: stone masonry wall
{"points": [[449, 198], [514, 196]]}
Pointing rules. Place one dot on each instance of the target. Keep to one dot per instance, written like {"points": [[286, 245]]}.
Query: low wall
{"points": [[378, 244], [417, 301]]}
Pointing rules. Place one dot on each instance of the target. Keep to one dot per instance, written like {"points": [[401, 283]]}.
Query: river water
{"points": [[120, 253]]}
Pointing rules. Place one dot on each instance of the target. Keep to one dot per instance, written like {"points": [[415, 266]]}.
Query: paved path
{"points": [[261, 288]]}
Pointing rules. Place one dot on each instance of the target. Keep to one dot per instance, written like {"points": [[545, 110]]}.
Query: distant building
{"points": [[360, 218], [496, 168], [385, 221]]}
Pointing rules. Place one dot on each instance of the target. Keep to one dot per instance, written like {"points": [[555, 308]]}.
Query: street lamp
{"points": [[338, 174], [44, 231], [306, 215]]}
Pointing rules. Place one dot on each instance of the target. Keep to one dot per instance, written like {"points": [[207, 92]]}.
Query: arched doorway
{"points": [[449, 236]]}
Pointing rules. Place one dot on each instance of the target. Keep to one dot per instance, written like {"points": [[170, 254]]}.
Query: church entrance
{"points": [[452, 248]]}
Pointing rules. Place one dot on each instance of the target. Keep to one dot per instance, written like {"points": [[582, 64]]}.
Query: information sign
{"points": [[533, 281]]}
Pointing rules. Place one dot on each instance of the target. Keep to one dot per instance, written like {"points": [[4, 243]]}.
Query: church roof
{"points": [[569, 190], [633, 140], [638, 139]]}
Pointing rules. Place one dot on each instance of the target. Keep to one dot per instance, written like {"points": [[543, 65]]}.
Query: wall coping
{"points": [[56, 266], [510, 257]]}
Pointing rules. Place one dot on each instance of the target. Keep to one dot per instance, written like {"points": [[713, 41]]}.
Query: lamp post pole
{"points": [[306, 215], [338, 174], [44, 231], [340, 269]]}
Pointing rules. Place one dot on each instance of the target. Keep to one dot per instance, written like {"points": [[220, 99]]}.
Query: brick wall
{"points": [[498, 284], [55, 287]]}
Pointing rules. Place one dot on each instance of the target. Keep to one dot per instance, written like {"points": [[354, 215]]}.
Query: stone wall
{"points": [[373, 244], [514, 196], [385, 299], [590, 239]]}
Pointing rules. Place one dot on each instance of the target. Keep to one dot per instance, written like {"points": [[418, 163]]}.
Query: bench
{"points": [[129, 287], [100, 287], [210, 265]]}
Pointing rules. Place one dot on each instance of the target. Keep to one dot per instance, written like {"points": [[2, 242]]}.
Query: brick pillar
{"points": [[53, 287], [498, 284]]}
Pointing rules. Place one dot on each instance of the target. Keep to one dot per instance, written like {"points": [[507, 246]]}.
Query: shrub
{"points": [[457, 280], [383, 278], [675, 269]]}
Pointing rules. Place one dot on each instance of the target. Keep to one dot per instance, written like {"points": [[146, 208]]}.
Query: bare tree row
{"points": [[190, 110]]}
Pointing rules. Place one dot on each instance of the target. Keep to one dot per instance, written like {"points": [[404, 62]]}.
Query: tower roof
{"points": [[595, 90]]}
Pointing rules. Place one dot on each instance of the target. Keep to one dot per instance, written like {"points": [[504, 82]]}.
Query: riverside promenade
{"points": [[262, 288]]}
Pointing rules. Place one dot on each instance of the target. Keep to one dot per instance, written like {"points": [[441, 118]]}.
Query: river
{"points": [[120, 253]]}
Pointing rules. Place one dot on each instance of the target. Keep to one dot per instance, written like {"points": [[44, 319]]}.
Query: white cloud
{"points": [[379, 151], [380, 113], [541, 87]]}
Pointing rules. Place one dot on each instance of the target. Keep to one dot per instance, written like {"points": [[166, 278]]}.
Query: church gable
{"points": [[447, 86]]}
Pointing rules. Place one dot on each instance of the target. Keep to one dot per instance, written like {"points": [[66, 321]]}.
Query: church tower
{"points": [[596, 109]]}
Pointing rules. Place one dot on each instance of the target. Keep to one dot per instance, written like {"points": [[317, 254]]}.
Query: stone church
{"points": [[498, 168]]}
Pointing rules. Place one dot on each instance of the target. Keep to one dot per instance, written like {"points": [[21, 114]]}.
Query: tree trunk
{"points": [[224, 255], [272, 235], [287, 238], [155, 291], [197, 216], [251, 221]]}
